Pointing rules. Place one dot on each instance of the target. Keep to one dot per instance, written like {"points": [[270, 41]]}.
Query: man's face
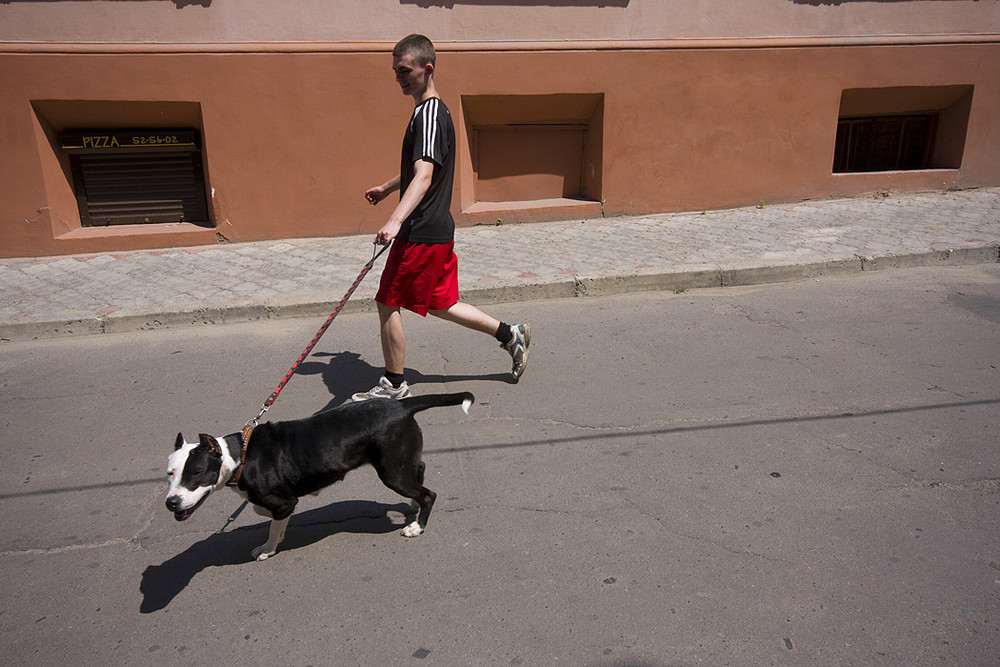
{"points": [[411, 77]]}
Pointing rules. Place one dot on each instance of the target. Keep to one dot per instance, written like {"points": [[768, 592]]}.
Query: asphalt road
{"points": [[804, 473]]}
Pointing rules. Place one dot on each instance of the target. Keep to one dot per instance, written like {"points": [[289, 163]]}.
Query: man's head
{"points": [[413, 61], [417, 46]]}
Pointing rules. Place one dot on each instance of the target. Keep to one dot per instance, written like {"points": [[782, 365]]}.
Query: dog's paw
{"points": [[261, 553], [413, 530]]}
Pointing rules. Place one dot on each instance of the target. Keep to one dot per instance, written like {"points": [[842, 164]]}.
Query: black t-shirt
{"points": [[430, 136]]}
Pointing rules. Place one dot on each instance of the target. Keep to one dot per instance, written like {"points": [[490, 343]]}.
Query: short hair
{"points": [[417, 46]]}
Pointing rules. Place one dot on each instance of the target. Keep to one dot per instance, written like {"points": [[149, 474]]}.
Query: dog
{"points": [[287, 460]]}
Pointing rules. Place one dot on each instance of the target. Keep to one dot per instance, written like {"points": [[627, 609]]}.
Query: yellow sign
{"points": [[100, 141]]}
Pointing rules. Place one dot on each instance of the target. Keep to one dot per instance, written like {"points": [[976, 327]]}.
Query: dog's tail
{"points": [[417, 403]]}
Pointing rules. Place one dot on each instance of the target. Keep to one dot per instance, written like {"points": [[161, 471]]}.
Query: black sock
{"points": [[396, 379], [504, 334]]}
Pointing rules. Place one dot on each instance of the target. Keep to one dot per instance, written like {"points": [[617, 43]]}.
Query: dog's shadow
{"points": [[345, 374], [162, 583]]}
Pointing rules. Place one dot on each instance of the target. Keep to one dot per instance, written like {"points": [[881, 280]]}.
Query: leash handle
{"points": [[319, 334]]}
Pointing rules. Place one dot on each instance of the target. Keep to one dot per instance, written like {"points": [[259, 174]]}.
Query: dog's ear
{"points": [[211, 443], [179, 443]]}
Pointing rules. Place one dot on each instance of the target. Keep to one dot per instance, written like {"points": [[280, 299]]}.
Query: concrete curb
{"points": [[310, 305], [757, 275]]}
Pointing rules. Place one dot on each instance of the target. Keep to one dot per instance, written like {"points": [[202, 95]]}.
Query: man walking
{"points": [[421, 273]]}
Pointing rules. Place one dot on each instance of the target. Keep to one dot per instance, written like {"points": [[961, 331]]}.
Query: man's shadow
{"points": [[162, 583], [346, 374]]}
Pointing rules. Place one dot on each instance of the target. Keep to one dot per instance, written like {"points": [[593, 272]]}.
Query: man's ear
{"points": [[429, 69]]}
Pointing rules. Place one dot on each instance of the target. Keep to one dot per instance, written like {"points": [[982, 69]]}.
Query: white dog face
{"points": [[193, 473]]}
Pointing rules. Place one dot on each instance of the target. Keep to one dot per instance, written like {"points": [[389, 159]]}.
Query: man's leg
{"points": [[469, 316], [393, 338], [392, 385], [514, 339]]}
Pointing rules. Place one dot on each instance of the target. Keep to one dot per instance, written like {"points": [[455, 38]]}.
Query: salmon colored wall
{"points": [[293, 137], [327, 21]]}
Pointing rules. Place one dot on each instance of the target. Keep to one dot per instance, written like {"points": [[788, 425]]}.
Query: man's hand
{"points": [[379, 192], [376, 194], [388, 232], [423, 171]]}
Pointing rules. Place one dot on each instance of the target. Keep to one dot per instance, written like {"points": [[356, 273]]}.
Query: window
{"points": [[886, 143], [900, 129], [137, 177]]}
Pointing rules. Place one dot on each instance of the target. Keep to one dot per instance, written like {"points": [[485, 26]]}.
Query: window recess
{"points": [[534, 148], [902, 129]]}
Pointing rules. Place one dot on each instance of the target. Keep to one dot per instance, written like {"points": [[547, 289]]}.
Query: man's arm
{"points": [[379, 192], [415, 191]]}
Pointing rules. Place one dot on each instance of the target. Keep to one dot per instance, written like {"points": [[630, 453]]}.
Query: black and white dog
{"points": [[287, 460]]}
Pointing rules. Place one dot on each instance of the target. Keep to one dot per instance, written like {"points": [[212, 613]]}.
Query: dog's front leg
{"points": [[276, 533]]}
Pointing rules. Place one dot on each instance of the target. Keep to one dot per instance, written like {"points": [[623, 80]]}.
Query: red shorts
{"points": [[420, 277]]}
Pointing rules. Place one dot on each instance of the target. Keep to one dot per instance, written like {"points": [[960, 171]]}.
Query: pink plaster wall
{"points": [[248, 21]]}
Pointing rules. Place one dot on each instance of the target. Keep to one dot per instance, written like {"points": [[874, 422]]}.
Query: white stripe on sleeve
{"points": [[430, 128]]}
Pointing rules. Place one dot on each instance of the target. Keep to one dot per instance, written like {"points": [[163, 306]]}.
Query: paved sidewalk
{"points": [[115, 292]]}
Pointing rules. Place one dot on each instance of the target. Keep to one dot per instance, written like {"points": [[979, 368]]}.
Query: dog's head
{"points": [[194, 471]]}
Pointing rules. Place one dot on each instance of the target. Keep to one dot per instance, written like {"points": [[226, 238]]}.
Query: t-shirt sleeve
{"points": [[429, 140]]}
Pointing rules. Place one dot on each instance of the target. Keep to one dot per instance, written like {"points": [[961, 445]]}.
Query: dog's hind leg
{"points": [[421, 466], [424, 502], [401, 469], [409, 484], [276, 533]]}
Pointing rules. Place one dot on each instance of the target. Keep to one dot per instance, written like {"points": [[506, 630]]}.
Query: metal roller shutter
{"points": [[125, 181], [137, 188]]}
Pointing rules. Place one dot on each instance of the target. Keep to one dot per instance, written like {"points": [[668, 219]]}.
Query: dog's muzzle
{"points": [[174, 502]]}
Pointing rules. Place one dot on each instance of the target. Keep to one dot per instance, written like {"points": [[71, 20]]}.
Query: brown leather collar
{"points": [[247, 432]]}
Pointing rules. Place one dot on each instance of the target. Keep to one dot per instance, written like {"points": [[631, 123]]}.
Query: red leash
{"points": [[305, 353], [252, 424]]}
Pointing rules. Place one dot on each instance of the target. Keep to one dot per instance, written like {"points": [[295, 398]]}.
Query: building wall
{"points": [[680, 105], [323, 21]]}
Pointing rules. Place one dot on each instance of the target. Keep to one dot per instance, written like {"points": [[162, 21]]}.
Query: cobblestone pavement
{"points": [[127, 291]]}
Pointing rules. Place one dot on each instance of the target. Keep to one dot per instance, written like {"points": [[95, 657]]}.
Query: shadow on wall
{"points": [[449, 4], [181, 4], [817, 3]]}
